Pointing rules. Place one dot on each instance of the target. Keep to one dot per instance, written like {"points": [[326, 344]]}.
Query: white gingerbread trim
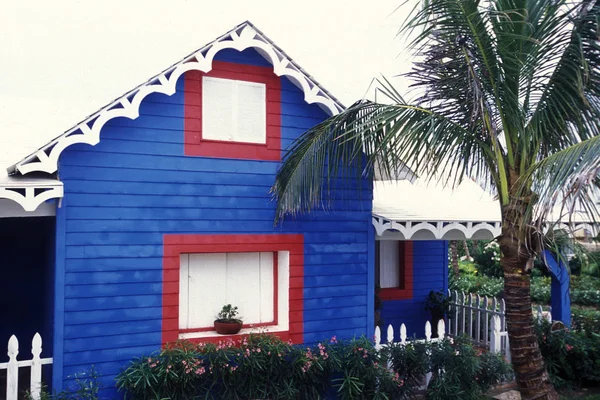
{"points": [[414, 230], [31, 195], [411, 230], [240, 38]]}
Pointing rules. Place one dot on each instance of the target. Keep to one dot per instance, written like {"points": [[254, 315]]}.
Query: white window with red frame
{"points": [[256, 282]]}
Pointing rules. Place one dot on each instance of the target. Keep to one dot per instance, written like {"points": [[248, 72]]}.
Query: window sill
{"points": [[213, 337], [395, 294]]}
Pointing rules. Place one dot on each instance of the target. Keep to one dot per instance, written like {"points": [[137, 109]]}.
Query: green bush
{"points": [[487, 259], [540, 289], [84, 387], [586, 264], [587, 321], [572, 358], [458, 369], [262, 366], [482, 285]]}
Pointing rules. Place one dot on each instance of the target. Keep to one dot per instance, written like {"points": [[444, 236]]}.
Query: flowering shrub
{"points": [[487, 259], [262, 366], [572, 358]]}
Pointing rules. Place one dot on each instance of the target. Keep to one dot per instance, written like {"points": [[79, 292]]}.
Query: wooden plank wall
{"points": [[122, 195]]}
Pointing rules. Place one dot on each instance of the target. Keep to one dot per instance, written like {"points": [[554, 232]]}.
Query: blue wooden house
{"points": [[135, 226]]}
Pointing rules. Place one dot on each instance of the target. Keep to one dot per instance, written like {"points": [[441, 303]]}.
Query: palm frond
{"points": [[564, 183], [368, 136], [565, 82]]}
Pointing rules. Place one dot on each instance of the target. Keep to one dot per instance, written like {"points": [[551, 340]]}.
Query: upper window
{"points": [[233, 110], [394, 269]]}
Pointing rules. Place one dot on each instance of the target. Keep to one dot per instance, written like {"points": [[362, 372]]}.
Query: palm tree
{"points": [[508, 95]]}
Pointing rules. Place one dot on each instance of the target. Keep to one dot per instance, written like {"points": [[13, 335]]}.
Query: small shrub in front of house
{"points": [[262, 366], [572, 358], [461, 371], [84, 386]]}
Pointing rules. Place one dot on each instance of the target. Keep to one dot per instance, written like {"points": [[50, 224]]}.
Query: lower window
{"points": [[260, 274]]}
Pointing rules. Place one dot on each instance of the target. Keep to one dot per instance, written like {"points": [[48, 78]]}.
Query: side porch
{"points": [[27, 249]]}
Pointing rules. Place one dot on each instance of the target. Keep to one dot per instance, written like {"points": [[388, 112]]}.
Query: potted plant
{"points": [[228, 322], [438, 304]]}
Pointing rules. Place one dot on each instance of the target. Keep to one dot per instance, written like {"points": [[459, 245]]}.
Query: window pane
{"points": [[207, 276], [251, 113], [210, 280], [389, 264], [217, 108], [243, 284]]}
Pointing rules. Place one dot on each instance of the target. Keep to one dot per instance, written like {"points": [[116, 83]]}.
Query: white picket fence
{"points": [[441, 331], [483, 319], [13, 365]]}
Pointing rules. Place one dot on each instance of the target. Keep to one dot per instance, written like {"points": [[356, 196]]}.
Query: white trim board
{"points": [[11, 209]]}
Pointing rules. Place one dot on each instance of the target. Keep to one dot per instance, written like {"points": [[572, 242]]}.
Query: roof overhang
{"points": [[418, 210], [29, 192]]}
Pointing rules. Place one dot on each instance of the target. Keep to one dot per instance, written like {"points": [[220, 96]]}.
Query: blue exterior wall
{"points": [[123, 194], [430, 272]]}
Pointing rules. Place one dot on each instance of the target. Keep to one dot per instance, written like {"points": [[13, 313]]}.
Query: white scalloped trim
{"points": [[30, 202], [439, 229], [242, 37]]}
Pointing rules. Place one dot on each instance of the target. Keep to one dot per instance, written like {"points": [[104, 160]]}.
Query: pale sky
{"points": [[63, 60]]}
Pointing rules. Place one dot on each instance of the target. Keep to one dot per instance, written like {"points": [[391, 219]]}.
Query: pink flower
{"points": [[569, 347], [333, 339]]}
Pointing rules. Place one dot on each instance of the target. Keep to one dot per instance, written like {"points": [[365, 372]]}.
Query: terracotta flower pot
{"points": [[225, 327]]}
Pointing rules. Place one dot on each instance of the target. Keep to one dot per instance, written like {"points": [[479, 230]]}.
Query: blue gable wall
{"points": [[122, 195], [430, 269]]}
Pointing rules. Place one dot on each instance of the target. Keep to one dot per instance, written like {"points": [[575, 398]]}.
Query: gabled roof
{"points": [[240, 38], [31, 191]]}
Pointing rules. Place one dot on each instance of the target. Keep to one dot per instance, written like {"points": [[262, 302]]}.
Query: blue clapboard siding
{"points": [[122, 195], [430, 268]]}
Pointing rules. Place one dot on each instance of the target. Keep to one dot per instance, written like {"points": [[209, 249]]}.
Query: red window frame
{"points": [[405, 266], [174, 245], [195, 145]]}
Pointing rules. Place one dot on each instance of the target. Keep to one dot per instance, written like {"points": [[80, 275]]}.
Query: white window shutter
{"points": [[234, 110], [389, 275], [251, 119], [217, 109]]}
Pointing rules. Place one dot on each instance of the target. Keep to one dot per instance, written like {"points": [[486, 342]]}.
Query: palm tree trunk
{"points": [[467, 252], [516, 244], [454, 257]]}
